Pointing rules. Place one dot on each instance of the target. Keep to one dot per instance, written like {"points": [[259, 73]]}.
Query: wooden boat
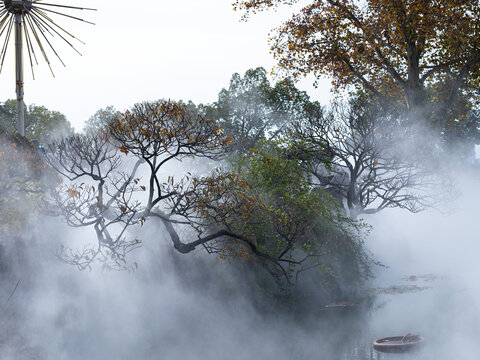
{"points": [[398, 344]]}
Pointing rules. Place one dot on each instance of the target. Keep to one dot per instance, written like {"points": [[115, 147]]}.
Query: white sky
{"points": [[181, 49]]}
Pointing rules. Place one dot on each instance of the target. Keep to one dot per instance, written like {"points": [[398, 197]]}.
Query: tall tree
{"points": [[251, 109], [423, 55]]}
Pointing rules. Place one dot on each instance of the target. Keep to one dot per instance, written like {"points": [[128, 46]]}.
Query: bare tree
{"points": [[355, 151]]}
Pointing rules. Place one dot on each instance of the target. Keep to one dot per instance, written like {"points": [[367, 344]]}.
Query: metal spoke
{"points": [[3, 21], [29, 41], [66, 15], [66, 6], [33, 14], [39, 28], [25, 31], [42, 27], [48, 42], [5, 45], [40, 44], [39, 12]]}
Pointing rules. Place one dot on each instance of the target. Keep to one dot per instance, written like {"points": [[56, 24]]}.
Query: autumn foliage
{"points": [[156, 129], [412, 52]]}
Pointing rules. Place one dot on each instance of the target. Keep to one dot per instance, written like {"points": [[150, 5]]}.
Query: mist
{"points": [[176, 306], [269, 257], [196, 306], [444, 244]]}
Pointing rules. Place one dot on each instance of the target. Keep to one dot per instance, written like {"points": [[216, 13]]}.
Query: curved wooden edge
{"points": [[383, 345]]}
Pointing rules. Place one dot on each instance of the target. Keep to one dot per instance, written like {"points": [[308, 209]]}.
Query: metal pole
{"points": [[19, 74]]}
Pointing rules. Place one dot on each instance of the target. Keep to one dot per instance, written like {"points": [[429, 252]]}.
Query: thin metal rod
{"points": [[39, 44], [29, 40], [41, 13], [66, 6], [28, 49], [5, 44], [3, 21], [66, 15], [42, 28], [19, 74], [4, 18], [7, 38], [48, 42], [34, 15]]}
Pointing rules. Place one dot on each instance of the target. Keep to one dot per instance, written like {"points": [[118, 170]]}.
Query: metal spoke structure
{"points": [[30, 21]]}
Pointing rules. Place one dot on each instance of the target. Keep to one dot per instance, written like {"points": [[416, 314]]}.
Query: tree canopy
{"points": [[252, 110], [298, 222], [40, 123], [424, 55]]}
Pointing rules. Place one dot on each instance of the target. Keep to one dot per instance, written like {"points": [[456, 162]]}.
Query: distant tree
{"points": [[354, 151], [40, 123], [423, 56], [252, 110], [100, 120]]}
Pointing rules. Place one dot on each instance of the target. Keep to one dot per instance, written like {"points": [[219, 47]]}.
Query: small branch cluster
{"points": [[97, 193]]}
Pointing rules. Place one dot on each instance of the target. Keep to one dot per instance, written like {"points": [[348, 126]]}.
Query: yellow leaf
{"points": [[73, 193]]}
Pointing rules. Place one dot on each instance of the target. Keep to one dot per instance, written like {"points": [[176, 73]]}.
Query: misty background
{"points": [[254, 173], [197, 307]]}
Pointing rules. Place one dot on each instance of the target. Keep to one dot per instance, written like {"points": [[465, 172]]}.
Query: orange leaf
{"points": [[73, 193]]}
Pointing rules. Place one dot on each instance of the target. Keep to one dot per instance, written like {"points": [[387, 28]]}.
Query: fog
{"points": [[196, 307], [440, 243]]}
